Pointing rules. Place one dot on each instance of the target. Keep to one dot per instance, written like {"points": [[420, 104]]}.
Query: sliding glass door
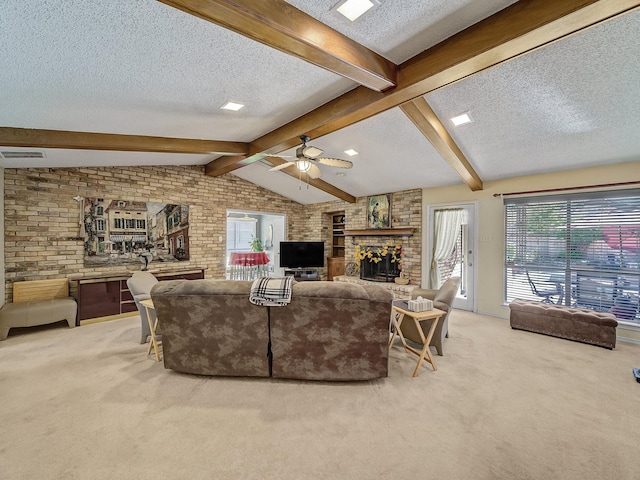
{"points": [[579, 249]]}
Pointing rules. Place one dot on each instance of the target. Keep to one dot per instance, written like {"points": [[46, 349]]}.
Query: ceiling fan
{"points": [[307, 159]]}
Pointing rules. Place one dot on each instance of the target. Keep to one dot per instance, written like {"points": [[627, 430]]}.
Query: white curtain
{"points": [[446, 228]]}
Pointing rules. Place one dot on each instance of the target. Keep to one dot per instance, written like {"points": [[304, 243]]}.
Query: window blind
{"points": [[579, 249]]}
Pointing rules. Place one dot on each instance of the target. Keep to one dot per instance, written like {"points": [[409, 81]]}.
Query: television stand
{"points": [[302, 274]]}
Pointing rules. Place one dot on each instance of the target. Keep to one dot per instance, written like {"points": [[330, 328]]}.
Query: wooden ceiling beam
{"points": [[293, 171], [423, 117], [34, 138], [509, 33], [280, 25]]}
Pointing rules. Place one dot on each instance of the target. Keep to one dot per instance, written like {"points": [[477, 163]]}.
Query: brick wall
{"points": [[406, 211], [42, 230], [42, 218]]}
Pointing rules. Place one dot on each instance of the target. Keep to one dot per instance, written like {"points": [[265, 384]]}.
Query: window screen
{"points": [[580, 249]]}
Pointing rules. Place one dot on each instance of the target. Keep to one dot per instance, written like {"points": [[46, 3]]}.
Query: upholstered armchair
{"points": [[140, 284], [443, 300]]}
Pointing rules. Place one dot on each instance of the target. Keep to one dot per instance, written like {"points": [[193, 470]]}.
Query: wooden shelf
{"points": [[405, 232], [335, 262]]}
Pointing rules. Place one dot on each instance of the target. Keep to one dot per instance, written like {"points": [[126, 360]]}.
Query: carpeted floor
{"points": [[86, 403]]}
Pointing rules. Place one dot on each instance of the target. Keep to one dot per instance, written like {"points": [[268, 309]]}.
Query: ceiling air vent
{"points": [[8, 155]]}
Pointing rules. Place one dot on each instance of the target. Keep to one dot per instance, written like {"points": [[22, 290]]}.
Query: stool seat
{"points": [[37, 312]]}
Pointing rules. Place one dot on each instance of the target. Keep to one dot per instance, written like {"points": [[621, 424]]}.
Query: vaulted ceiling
{"points": [[550, 86]]}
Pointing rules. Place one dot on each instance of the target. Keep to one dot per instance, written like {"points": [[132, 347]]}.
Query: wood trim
{"points": [[35, 138], [423, 117], [509, 33], [117, 316], [278, 24], [405, 231], [221, 165], [33, 290]]}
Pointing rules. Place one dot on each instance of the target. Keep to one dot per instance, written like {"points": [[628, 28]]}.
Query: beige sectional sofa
{"points": [[329, 331]]}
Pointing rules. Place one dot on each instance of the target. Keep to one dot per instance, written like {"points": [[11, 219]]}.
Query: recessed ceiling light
{"points": [[341, 174], [232, 106], [352, 9], [461, 119], [351, 152]]}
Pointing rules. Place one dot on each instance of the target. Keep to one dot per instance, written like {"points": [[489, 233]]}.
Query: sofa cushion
{"points": [[332, 331], [209, 327]]}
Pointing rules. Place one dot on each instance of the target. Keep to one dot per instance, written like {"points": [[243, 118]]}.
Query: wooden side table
{"points": [[148, 305], [399, 312]]}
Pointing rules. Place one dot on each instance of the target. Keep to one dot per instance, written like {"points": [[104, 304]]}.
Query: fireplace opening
{"points": [[383, 271]]}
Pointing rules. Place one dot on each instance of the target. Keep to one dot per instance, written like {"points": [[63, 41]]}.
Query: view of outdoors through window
{"points": [[579, 250]]}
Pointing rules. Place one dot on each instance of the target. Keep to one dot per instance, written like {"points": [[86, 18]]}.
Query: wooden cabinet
{"points": [[98, 299], [337, 239], [335, 267], [108, 297], [335, 263]]}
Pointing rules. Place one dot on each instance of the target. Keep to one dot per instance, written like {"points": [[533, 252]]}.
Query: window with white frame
{"points": [[579, 249], [240, 232]]}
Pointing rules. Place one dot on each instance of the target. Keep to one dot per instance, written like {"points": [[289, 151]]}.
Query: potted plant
{"points": [[256, 244]]}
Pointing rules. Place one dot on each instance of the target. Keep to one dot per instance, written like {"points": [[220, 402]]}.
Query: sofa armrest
{"points": [[424, 293]]}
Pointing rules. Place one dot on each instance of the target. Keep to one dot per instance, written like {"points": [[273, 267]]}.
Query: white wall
{"points": [[490, 223]]}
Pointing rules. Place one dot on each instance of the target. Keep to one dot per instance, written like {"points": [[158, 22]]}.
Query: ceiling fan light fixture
{"points": [[353, 9], [461, 119], [233, 106], [303, 165]]}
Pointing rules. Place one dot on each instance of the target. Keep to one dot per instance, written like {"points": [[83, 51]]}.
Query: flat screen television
{"points": [[302, 254]]}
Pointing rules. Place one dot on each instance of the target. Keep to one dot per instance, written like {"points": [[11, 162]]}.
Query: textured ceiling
{"points": [[572, 104], [144, 68], [148, 69], [400, 29]]}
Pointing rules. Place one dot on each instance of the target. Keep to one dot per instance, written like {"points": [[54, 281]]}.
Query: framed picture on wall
{"points": [[120, 231], [379, 211]]}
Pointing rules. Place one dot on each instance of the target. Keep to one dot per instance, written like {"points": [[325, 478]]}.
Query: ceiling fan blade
{"points": [[334, 162], [314, 172], [310, 151], [277, 155], [281, 166]]}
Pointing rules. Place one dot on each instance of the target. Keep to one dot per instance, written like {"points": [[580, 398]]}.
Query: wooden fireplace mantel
{"points": [[404, 232]]}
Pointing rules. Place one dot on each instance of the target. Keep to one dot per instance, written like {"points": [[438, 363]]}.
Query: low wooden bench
{"points": [[578, 324], [38, 302]]}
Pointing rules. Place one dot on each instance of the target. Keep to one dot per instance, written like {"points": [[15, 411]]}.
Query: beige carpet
{"points": [[86, 403]]}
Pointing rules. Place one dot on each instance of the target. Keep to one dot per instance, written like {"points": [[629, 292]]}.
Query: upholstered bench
{"points": [[38, 302], [578, 324]]}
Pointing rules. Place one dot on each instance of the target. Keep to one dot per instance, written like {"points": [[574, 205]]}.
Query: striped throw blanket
{"points": [[271, 292]]}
